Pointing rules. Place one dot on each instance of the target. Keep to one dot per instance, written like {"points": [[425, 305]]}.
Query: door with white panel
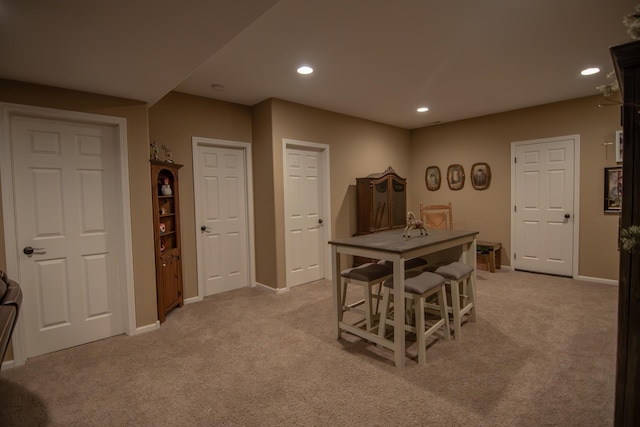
{"points": [[223, 258], [303, 216], [66, 210], [544, 206]]}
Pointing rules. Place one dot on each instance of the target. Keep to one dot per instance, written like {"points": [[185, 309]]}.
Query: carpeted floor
{"points": [[542, 353]]}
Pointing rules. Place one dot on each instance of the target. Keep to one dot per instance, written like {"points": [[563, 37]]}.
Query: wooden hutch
{"points": [[166, 224]]}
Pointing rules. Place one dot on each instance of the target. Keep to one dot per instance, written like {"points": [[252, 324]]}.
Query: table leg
{"points": [[399, 308], [455, 307], [336, 290]]}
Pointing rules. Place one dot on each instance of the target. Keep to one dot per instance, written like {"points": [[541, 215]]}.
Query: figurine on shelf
{"points": [[166, 187], [167, 154], [155, 152], [162, 247], [163, 228]]}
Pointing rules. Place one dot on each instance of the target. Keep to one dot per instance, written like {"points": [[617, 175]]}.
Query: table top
{"points": [[393, 241]]}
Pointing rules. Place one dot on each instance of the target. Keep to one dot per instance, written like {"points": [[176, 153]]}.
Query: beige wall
{"points": [[488, 139], [263, 190], [173, 121], [358, 148]]}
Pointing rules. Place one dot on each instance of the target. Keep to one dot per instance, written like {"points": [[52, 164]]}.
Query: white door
{"points": [[303, 216], [64, 193], [223, 247], [544, 206]]}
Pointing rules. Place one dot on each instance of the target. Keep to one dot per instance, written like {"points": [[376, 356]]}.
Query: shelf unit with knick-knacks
{"points": [[166, 222]]}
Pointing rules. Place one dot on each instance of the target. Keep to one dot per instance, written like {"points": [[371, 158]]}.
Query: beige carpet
{"points": [[542, 353]]}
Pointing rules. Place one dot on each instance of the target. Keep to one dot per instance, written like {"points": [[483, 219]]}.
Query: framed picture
{"points": [[480, 176], [432, 178], [619, 146], [613, 189], [455, 177]]}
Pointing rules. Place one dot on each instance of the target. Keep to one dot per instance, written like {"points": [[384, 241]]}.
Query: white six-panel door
{"points": [[303, 216], [544, 206], [64, 188], [223, 246]]}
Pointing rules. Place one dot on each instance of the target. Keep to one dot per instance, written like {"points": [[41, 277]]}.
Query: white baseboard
{"points": [[193, 299], [598, 280], [147, 328], [270, 289], [9, 364], [584, 278]]}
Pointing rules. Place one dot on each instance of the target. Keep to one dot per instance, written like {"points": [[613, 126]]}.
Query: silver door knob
{"points": [[30, 251]]}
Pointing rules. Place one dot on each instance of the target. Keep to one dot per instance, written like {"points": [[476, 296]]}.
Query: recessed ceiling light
{"points": [[590, 71], [423, 109], [305, 70]]}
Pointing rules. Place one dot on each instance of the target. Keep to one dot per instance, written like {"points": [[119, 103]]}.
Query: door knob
{"points": [[319, 221], [567, 216], [204, 228], [28, 250]]}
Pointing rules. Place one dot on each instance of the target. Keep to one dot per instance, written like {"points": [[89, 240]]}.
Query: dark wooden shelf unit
{"points": [[626, 59], [381, 202], [166, 224]]}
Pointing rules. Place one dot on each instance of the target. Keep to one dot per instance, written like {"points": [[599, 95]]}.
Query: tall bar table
{"points": [[392, 246]]}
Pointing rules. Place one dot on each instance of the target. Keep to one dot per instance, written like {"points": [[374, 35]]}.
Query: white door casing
{"points": [[545, 200], [222, 182], [65, 189], [307, 211]]}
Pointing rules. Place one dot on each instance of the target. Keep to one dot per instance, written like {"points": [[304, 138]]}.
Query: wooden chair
{"points": [[439, 217]]}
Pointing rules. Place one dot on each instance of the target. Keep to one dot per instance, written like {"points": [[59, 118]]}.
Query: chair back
{"points": [[437, 216]]}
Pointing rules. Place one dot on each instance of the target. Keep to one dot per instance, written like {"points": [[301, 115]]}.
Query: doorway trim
{"points": [[323, 149], [10, 239], [576, 195], [197, 141]]}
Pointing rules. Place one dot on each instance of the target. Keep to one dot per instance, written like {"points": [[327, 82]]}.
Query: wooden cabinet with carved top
{"points": [[381, 202], [166, 222]]}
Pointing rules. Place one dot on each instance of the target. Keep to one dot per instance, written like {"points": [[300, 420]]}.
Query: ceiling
{"points": [[374, 59]]}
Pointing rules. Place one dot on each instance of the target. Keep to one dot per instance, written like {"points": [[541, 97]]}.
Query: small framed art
{"points": [[455, 177], [432, 178], [480, 176], [613, 190]]}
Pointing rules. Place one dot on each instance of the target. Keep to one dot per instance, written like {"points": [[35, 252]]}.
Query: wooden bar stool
{"points": [[461, 281], [368, 276], [418, 286]]}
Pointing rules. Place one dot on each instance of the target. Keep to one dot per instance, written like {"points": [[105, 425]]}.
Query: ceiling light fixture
{"points": [[305, 70], [217, 88], [590, 71], [423, 109]]}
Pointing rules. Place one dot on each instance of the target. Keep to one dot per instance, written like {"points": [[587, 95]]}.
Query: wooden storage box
{"points": [[482, 261]]}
